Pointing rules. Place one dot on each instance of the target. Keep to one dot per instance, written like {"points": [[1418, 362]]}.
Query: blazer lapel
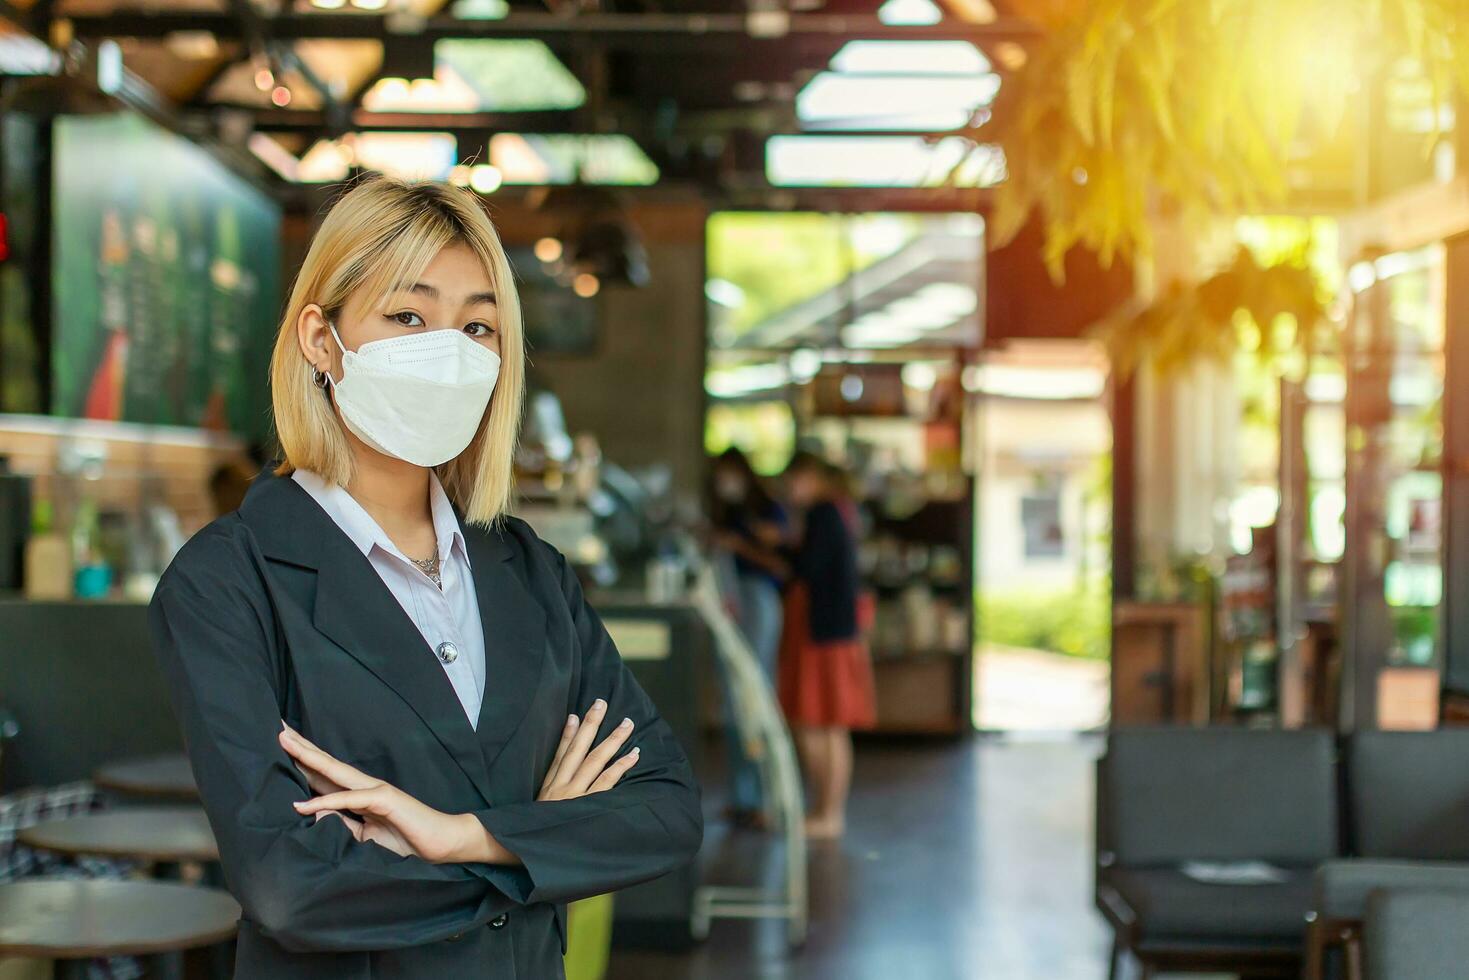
{"points": [[357, 611], [515, 639]]}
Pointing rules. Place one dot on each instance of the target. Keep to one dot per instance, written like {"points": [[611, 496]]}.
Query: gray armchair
{"points": [[1407, 817], [1167, 796], [1416, 934]]}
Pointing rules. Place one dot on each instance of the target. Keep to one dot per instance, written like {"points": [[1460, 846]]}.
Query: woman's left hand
{"points": [[389, 816]]}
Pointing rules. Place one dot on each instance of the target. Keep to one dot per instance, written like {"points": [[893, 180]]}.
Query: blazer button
{"points": [[447, 652], [498, 922]]}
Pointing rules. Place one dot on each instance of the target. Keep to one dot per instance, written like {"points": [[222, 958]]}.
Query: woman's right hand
{"points": [[579, 769]]}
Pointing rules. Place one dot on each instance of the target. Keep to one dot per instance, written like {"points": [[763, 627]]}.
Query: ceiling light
{"points": [[322, 163], [586, 285], [390, 87], [893, 102], [485, 178], [328, 4], [745, 379], [724, 293], [193, 45], [909, 13], [275, 156], [916, 57], [548, 249], [805, 363], [369, 4], [920, 375], [264, 79], [280, 96], [951, 298], [480, 9], [409, 155], [880, 161], [1011, 55]]}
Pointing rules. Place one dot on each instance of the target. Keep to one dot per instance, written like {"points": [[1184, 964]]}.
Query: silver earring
{"points": [[318, 378]]}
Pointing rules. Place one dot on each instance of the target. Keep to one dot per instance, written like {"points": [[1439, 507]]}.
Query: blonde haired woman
{"points": [[413, 738]]}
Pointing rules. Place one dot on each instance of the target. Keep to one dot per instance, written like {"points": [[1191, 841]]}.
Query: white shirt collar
{"points": [[359, 526]]}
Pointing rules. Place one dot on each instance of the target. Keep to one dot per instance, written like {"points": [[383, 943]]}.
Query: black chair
{"points": [[1412, 934], [1407, 825], [1167, 796]]}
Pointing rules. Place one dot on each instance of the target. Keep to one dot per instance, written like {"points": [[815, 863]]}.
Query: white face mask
{"points": [[419, 397]]}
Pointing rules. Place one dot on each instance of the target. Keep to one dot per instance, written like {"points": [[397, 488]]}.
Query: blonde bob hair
{"points": [[378, 236]]}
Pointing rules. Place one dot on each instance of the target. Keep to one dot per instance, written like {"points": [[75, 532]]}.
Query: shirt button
{"points": [[498, 922], [448, 652]]}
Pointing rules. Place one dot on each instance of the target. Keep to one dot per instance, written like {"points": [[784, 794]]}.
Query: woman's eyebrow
{"points": [[432, 292], [422, 288]]}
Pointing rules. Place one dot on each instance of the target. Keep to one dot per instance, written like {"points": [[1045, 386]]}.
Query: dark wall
{"points": [[1025, 303], [81, 680]]}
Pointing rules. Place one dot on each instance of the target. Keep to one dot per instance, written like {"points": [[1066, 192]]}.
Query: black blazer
{"points": [[272, 613]]}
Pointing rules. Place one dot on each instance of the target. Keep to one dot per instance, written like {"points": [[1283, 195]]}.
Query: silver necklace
{"points": [[429, 567]]}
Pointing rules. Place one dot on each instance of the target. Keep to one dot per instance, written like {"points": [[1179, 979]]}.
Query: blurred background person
{"points": [[825, 680], [749, 526]]}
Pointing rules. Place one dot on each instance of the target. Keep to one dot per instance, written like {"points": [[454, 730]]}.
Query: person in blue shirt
{"points": [[749, 525]]}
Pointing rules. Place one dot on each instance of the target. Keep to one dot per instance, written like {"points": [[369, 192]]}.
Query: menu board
{"points": [[166, 280]]}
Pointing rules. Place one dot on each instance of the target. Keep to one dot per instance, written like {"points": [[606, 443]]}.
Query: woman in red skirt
{"points": [[825, 679]]}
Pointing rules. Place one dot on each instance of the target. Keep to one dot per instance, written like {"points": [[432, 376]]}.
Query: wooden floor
{"points": [[966, 860]]}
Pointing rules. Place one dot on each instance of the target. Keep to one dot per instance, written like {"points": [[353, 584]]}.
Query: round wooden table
{"points": [[161, 776], [73, 920], [170, 834]]}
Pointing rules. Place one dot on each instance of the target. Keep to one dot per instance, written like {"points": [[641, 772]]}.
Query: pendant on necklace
{"points": [[429, 567]]}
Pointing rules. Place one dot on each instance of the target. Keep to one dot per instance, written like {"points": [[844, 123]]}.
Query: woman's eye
{"points": [[407, 318], [479, 330]]}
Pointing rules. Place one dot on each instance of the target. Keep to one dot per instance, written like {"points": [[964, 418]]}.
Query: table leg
{"points": [[70, 969], [164, 966]]}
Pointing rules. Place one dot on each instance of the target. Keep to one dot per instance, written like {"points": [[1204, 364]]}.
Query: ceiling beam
{"points": [[641, 31], [482, 125]]}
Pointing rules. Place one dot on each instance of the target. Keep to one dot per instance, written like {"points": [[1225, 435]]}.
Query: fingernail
{"points": [[599, 705], [626, 723], [298, 804], [571, 721], [636, 751]]}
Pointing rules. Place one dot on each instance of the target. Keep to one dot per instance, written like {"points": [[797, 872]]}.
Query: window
{"points": [[1040, 518]]}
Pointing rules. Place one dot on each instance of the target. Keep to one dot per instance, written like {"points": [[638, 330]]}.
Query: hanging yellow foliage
{"points": [[1275, 312], [1126, 108]]}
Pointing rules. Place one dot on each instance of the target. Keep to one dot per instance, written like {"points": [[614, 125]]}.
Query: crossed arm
{"points": [[378, 812]]}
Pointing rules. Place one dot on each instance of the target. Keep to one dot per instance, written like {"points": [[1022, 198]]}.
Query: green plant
{"points": [[1073, 622], [1276, 313]]}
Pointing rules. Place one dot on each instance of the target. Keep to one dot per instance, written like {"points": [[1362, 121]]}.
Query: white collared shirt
{"points": [[448, 615]]}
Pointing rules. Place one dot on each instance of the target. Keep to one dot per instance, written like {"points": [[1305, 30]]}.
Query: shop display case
{"points": [[918, 566]]}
